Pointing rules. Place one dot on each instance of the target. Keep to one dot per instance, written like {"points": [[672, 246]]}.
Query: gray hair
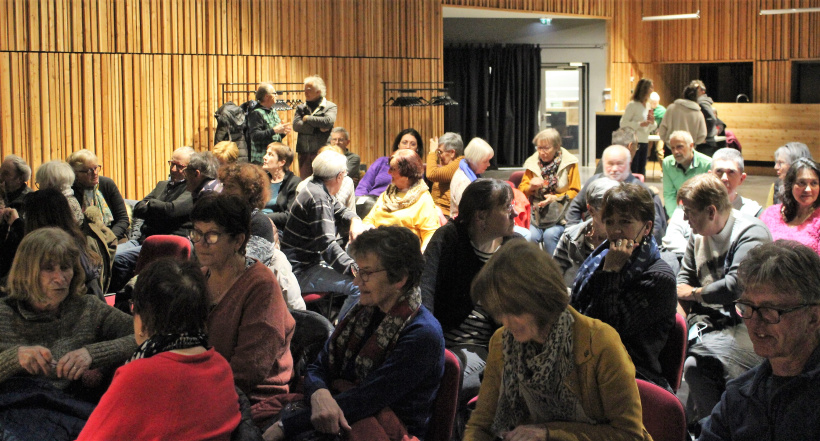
{"points": [[794, 151], [477, 150], [80, 157], [264, 90], [328, 165], [614, 148], [728, 154], [784, 266], [596, 190], [550, 135], [23, 169], [186, 150], [317, 82], [624, 136], [55, 174], [341, 130], [654, 97], [452, 141], [204, 162], [682, 134]]}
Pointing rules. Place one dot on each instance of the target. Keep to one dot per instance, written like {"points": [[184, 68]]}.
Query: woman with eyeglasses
{"points": [[385, 357], [407, 201], [94, 190], [249, 323], [625, 283], [798, 216]]}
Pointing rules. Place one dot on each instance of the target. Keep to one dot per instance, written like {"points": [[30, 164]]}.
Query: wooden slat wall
{"points": [[134, 79]]}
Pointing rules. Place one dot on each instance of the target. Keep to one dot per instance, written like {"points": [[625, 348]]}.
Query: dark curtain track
{"points": [[498, 90]]}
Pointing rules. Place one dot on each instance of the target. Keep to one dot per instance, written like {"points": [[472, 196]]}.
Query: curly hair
{"points": [[410, 131], [249, 179], [790, 205], [409, 164]]}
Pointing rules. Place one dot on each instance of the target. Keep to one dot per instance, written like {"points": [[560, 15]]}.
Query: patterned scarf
{"points": [[549, 173], [93, 197], [347, 344], [538, 371], [391, 201], [169, 342], [647, 254]]}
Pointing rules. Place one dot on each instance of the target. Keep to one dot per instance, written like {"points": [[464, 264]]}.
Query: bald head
{"points": [[616, 159]]}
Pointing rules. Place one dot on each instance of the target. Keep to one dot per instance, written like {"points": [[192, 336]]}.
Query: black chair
{"points": [[309, 336]]}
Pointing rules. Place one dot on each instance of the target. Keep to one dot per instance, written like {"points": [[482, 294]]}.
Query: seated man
{"points": [[616, 160], [708, 286], [727, 164], [779, 305], [443, 160], [14, 173], [626, 137], [310, 238], [682, 164], [200, 175], [341, 138]]}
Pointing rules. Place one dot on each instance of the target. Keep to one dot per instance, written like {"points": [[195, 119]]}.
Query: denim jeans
{"points": [[322, 278], [549, 236]]}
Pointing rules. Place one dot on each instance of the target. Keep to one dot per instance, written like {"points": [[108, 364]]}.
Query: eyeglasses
{"points": [[211, 237], [177, 165], [768, 314], [362, 274], [92, 170]]}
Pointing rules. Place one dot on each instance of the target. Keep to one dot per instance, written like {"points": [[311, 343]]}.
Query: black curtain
{"points": [[498, 90]]}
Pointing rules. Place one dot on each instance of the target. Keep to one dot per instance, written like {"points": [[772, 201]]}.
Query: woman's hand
{"points": [[74, 364], [527, 433], [274, 433], [548, 199], [619, 253], [326, 415], [433, 145], [283, 129], [36, 360], [536, 182]]}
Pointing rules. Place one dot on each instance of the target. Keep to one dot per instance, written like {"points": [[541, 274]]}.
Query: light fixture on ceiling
{"points": [[672, 17], [787, 11]]}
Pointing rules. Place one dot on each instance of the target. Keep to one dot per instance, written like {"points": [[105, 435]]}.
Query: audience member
{"points": [[341, 138], [443, 160], [638, 117], [264, 125], [709, 145], [783, 158], [347, 193], [776, 398], [798, 216], [551, 180], [316, 219], [684, 163], [387, 355], [283, 183], [626, 284], [99, 192], [377, 178], [227, 152], [59, 175], [707, 286], [14, 173], [684, 115], [170, 306], [407, 201], [200, 175], [552, 373], [624, 136], [477, 157], [312, 120], [249, 323], [580, 240], [250, 183], [659, 111]]}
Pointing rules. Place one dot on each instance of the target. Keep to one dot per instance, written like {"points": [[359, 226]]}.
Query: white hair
{"points": [[317, 82], [23, 169], [477, 150], [328, 165], [682, 134], [55, 174]]}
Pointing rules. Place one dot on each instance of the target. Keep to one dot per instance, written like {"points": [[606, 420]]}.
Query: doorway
{"points": [[563, 107]]}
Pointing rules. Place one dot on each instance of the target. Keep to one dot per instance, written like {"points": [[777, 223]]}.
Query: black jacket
{"points": [[166, 210], [287, 194]]}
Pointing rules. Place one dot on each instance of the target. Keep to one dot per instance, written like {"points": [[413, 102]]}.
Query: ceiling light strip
{"points": [[672, 17], [787, 11]]}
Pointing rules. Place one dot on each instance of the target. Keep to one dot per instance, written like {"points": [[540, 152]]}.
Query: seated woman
{"points": [[93, 190], [798, 216], [552, 373], [51, 333], [227, 152], [249, 323], [283, 183], [389, 347], [551, 180], [477, 156], [407, 201], [170, 306], [783, 158], [626, 284], [59, 175], [455, 254], [377, 178]]}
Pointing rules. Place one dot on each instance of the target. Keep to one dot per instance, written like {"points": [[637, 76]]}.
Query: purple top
{"points": [[376, 180]]}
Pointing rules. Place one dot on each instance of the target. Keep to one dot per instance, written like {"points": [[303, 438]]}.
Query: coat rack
{"points": [[280, 104], [411, 94]]}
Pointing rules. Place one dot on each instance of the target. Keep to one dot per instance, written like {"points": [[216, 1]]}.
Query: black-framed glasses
{"points": [[90, 170], [211, 237], [768, 314], [363, 274]]}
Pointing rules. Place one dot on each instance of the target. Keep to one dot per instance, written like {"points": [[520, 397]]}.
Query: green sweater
{"points": [[674, 176]]}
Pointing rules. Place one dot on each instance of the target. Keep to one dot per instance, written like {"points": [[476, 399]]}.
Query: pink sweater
{"points": [[807, 233]]}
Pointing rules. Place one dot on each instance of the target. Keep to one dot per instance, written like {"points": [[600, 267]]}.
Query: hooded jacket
{"points": [[683, 114]]}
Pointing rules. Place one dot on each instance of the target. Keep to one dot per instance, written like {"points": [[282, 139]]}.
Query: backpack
{"points": [[231, 125]]}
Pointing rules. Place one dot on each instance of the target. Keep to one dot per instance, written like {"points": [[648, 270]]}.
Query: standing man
{"points": [[684, 114], [682, 164], [705, 102], [341, 138], [264, 125], [312, 120]]}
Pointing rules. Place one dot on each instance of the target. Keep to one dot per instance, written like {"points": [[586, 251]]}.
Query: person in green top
{"points": [[684, 163], [264, 124], [659, 111]]}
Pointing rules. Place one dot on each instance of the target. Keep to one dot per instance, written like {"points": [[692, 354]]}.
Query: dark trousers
{"points": [[639, 161], [306, 164]]}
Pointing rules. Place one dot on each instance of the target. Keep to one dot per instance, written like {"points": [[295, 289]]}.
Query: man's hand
{"points": [[283, 129], [326, 415], [357, 228], [36, 360], [685, 292]]}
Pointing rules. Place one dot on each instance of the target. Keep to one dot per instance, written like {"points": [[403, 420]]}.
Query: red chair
{"points": [[159, 246], [516, 177], [673, 353], [446, 402], [663, 414], [313, 300]]}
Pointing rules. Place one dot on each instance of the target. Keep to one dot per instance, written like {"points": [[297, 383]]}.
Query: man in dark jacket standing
{"points": [[709, 147], [264, 125], [313, 121]]}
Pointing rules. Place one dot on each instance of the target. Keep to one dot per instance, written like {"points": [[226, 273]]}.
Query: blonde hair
{"points": [[550, 135], [79, 158], [38, 249], [226, 151], [331, 148]]}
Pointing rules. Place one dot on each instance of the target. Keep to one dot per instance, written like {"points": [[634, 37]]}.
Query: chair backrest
{"points": [[446, 402], [309, 336], [639, 176], [161, 245], [663, 414], [516, 177], [673, 353]]}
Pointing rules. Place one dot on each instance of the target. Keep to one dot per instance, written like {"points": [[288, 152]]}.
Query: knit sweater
{"points": [[634, 114], [686, 115], [79, 322], [421, 218], [807, 233], [440, 176], [377, 178]]}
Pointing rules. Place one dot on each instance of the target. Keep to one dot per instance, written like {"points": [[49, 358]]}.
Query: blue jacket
{"points": [[749, 411]]}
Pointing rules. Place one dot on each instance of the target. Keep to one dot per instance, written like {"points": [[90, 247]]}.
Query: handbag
{"points": [[551, 214]]}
